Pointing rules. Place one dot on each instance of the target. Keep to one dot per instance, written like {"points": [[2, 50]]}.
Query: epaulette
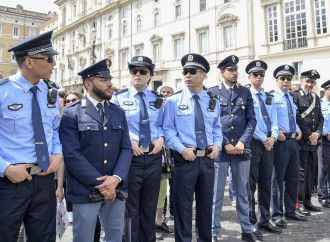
{"points": [[51, 84], [247, 85], [121, 91], [2, 81], [74, 103], [113, 104], [176, 93], [214, 87], [272, 91]]}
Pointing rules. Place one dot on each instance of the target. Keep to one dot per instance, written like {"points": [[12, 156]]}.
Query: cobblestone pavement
{"points": [[317, 228]]}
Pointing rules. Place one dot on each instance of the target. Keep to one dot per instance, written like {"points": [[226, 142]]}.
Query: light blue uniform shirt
{"points": [[325, 107], [282, 110], [130, 102], [261, 128], [16, 129], [179, 120]]}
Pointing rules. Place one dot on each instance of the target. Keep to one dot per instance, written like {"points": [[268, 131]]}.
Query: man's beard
{"points": [[99, 93], [232, 81]]}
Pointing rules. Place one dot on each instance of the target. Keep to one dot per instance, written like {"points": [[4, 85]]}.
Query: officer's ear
{"points": [[88, 83]]}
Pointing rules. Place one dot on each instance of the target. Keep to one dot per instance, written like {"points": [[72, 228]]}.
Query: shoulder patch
{"points": [[121, 91], [176, 93], [2, 81]]}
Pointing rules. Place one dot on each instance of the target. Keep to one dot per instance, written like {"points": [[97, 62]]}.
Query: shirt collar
{"points": [[306, 92], [25, 84], [191, 94], [134, 91], [93, 101], [278, 90], [226, 86], [254, 91]]}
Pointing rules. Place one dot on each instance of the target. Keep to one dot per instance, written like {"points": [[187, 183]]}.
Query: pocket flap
{"points": [[14, 114], [117, 126], [87, 127]]}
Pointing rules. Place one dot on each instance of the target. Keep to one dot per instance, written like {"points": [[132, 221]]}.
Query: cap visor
{"points": [[51, 52]]}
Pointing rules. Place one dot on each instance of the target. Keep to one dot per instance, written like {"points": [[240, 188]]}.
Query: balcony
{"points": [[297, 43]]}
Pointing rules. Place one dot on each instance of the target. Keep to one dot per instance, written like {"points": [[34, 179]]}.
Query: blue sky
{"points": [[43, 6]]}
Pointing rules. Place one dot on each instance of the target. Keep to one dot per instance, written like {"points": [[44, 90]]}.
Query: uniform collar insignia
{"points": [[15, 107], [83, 103]]}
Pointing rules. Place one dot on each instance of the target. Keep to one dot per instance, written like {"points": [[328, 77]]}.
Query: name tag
{"points": [[128, 103], [183, 106], [152, 104], [15, 107], [279, 102]]}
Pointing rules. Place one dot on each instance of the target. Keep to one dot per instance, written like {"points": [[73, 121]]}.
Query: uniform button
{"points": [[119, 126], [231, 104], [232, 115], [105, 144], [313, 113], [88, 127], [105, 161], [14, 116], [313, 119], [232, 127], [232, 140], [105, 128]]}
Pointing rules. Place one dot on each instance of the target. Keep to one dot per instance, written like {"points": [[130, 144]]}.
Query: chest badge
{"points": [[15, 107], [152, 104], [183, 106], [128, 103]]}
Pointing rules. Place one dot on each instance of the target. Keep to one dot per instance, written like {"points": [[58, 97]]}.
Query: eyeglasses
{"points": [[256, 74], [67, 101], [141, 71], [282, 78], [49, 58], [191, 71]]}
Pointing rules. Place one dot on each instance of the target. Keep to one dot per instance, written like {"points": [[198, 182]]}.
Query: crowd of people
{"points": [[114, 152]]}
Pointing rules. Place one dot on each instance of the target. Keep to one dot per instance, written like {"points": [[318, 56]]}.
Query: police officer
{"points": [[286, 150], [30, 149], [238, 124], [192, 128], [97, 154], [311, 125], [262, 144], [143, 109], [324, 149]]}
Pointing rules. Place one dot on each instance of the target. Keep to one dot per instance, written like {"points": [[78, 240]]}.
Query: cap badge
{"points": [[258, 64], [108, 64], [190, 58], [233, 58], [286, 67], [140, 59], [313, 72]]}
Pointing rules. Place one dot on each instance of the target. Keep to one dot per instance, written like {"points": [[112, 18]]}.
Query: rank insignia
{"points": [[128, 103], [83, 103], [15, 107]]}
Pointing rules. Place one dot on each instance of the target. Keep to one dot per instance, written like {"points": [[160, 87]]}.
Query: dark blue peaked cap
{"points": [[99, 69], [141, 61], [326, 84], [33, 45], [230, 62], [195, 61], [310, 75], [254, 66], [284, 70]]}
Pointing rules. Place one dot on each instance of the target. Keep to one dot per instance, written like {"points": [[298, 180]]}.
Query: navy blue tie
{"points": [[144, 126], [100, 110], [292, 122], [264, 112], [201, 139], [230, 90], [39, 133]]}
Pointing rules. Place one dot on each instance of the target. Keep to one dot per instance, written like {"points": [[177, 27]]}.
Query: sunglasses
{"points": [[67, 101], [191, 71], [282, 78], [49, 58], [256, 74], [141, 71]]}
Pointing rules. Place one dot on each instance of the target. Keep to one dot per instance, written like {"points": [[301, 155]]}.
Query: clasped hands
{"points": [[108, 187]]}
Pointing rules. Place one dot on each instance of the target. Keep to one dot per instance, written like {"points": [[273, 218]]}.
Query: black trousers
{"points": [[261, 169], [143, 189], [193, 177], [324, 162], [307, 166], [32, 202]]}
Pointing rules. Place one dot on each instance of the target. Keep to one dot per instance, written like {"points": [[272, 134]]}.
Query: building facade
{"points": [[277, 31], [16, 24]]}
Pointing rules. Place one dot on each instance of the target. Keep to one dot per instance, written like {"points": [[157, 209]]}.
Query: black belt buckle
{"points": [[121, 195], [291, 135], [96, 197], [147, 149], [34, 170], [202, 153]]}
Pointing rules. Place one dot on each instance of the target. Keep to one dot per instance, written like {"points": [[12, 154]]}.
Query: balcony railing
{"points": [[297, 43]]}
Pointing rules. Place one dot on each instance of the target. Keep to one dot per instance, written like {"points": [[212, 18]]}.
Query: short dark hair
{"points": [[20, 61], [61, 94]]}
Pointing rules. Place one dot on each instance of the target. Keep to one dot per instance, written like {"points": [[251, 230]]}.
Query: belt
{"points": [[148, 149], [34, 170], [202, 153], [290, 135]]}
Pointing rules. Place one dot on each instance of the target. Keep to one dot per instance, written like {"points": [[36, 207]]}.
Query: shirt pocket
{"points": [[184, 115], [15, 121], [89, 134], [130, 111], [209, 118], [153, 114], [115, 135]]}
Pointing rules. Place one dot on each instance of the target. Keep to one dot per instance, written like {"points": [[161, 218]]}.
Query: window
{"points": [[124, 12], [74, 10], [124, 59], [110, 34], [203, 43], [33, 32], [178, 83], [177, 48], [295, 19], [138, 51], [0, 53], [73, 48], [272, 23], [156, 19], [202, 5], [156, 52], [16, 32], [85, 8], [110, 17], [0, 29], [138, 6], [320, 17], [298, 67], [124, 30], [138, 25], [62, 52], [73, 33], [64, 17], [229, 43], [177, 11]]}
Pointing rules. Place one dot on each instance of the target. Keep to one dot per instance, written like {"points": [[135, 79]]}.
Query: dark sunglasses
{"points": [[141, 71], [282, 78], [49, 58], [256, 74], [67, 101], [191, 71]]}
